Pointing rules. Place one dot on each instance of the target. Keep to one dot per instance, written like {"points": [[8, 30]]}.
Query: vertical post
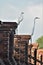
{"points": [[11, 41], [41, 60], [30, 52], [26, 53], [35, 54]]}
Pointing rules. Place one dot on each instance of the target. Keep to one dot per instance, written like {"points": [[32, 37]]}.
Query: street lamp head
{"points": [[22, 12], [36, 18]]}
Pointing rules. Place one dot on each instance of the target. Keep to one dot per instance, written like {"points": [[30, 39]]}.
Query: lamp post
{"points": [[34, 27], [20, 19]]}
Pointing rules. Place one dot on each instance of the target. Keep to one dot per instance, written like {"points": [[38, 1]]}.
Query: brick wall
{"points": [[17, 39], [39, 52], [31, 47]]}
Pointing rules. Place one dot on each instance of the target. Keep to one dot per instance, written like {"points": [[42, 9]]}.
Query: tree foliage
{"points": [[40, 42]]}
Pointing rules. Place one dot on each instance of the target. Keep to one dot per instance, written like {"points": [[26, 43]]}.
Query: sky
{"points": [[11, 9]]}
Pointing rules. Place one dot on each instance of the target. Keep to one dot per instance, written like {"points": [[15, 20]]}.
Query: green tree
{"points": [[40, 42]]}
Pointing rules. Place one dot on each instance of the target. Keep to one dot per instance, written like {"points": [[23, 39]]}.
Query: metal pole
{"points": [[34, 27], [20, 19]]}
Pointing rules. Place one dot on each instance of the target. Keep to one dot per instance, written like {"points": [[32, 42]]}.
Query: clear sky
{"points": [[11, 9]]}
